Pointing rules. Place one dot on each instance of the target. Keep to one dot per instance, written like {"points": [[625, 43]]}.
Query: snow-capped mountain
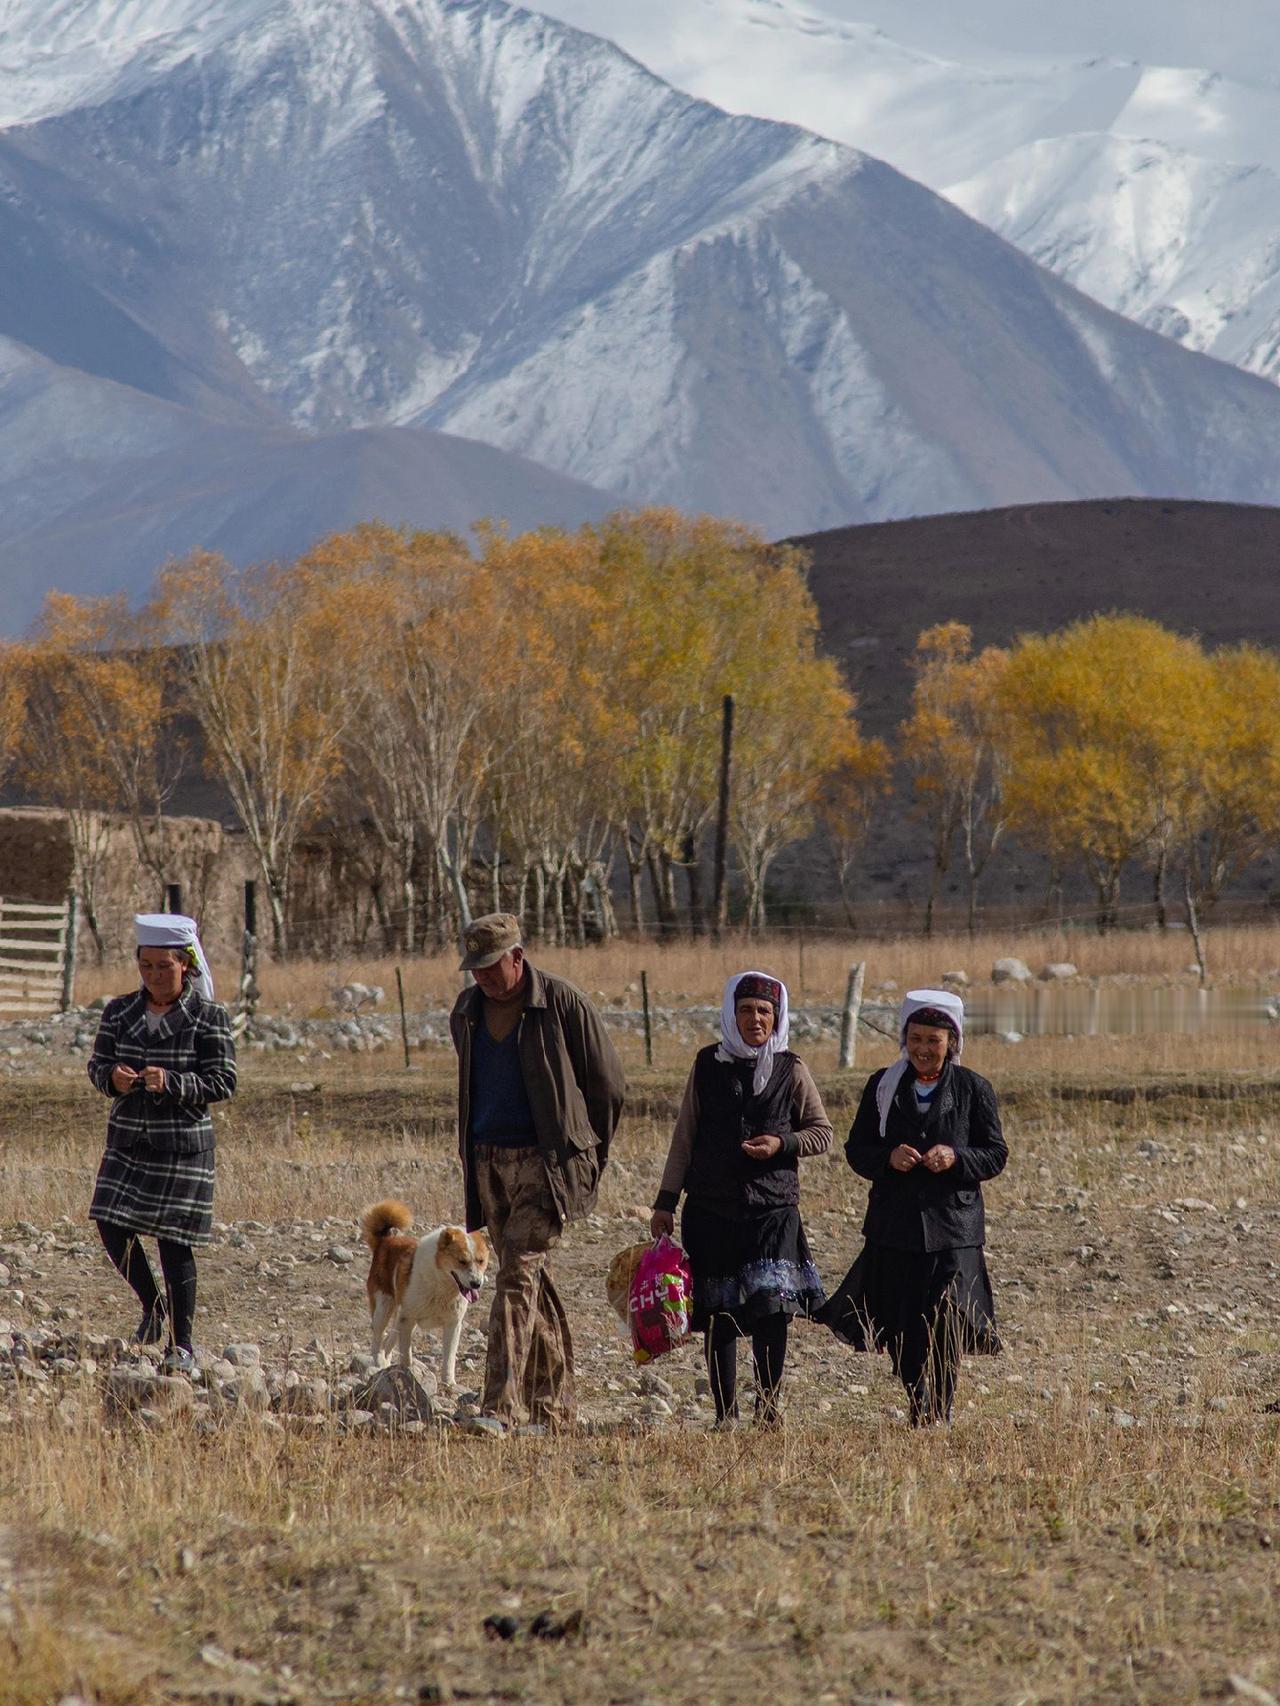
{"points": [[1133, 148], [312, 218]]}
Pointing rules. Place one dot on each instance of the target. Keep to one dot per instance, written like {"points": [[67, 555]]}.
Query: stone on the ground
{"points": [[1010, 971], [306, 1398], [136, 1389], [955, 979], [406, 1397], [489, 1426], [248, 1391], [1058, 971], [243, 1355]]}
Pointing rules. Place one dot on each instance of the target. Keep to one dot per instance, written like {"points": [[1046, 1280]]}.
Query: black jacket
{"points": [[921, 1210], [721, 1177]]}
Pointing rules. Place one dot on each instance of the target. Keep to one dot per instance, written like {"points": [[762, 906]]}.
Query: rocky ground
{"points": [[1102, 1522], [1139, 1277]]}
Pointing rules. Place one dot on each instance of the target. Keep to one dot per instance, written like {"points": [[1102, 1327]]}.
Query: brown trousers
{"points": [[529, 1366]]}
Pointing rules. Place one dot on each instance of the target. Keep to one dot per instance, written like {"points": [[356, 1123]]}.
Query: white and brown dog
{"points": [[425, 1282]]}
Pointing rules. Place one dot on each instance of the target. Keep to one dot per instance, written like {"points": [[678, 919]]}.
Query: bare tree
{"points": [[271, 668]]}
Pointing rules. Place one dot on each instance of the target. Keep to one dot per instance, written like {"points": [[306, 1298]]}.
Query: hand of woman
{"points": [[153, 1077], [661, 1222], [940, 1157], [762, 1146], [904, 1158], [123, 1078]]}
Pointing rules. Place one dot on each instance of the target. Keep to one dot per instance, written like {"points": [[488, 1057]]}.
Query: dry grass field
{"points": [[814, 966], [1101, 1523]]}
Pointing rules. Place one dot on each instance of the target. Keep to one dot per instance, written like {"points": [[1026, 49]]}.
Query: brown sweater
{"points": [[811, 1132]]}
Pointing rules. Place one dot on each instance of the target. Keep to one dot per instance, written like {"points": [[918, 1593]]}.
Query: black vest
{"points": [[720, 1176]]}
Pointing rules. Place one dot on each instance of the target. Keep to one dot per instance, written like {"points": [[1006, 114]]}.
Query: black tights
{"points": [[178, 1265], [769, 1353], [926, 1360]]}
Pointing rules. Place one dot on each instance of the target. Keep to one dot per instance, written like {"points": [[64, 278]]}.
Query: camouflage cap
{"points": [[487, 939]]}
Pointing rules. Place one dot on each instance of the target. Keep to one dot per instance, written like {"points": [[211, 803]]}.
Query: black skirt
{"points": [[891, 1296], [748, 1268]]}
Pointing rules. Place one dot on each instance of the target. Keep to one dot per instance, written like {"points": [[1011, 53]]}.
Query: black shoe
{"points": [[768, 1413], [153, 1325]]}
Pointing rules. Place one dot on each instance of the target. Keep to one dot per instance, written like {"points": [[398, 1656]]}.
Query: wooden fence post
{"points": [[852, 1008], [404, 1023], [70, 951]]}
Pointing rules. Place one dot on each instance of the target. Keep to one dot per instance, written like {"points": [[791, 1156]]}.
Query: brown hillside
{"points": [[1206, 568]]}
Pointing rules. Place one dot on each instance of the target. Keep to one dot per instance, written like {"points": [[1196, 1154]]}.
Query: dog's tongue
{"points": [[470, 1293]]}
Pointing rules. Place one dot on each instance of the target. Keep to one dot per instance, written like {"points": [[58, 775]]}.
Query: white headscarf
{"points": [[913, 1002], [173, 930], [732, 1046]]}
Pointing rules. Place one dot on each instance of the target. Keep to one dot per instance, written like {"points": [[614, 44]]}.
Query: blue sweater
{"points": [[500, 1111]]}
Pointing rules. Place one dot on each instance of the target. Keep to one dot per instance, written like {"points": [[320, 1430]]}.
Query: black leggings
{"points": [[769, 1353], [926, 1360], [177, 1263]]}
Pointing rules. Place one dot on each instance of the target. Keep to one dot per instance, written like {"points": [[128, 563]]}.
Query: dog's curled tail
{"points": [[386, 1216]]}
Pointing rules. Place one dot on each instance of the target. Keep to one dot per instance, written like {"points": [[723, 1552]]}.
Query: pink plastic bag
{"points": [[660, 1300]]}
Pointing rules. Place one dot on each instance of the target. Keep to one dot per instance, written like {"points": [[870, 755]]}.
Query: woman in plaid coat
{"points": [[163, 1055]]}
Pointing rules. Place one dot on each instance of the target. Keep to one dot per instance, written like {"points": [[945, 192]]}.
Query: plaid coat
{"points": [[157, 1174]]}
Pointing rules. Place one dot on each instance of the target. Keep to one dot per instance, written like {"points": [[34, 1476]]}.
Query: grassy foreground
{"points": [[1101, 1524]]}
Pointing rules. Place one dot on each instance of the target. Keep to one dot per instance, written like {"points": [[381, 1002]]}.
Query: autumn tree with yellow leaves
{"points": [[1102, 734], [950, 744]]}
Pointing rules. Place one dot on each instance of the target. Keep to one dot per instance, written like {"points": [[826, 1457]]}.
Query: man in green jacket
{"points": [[540, 1090]]}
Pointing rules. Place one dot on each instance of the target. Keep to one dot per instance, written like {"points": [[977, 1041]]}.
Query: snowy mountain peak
{"points": [[1132, 146], [294, 232]]}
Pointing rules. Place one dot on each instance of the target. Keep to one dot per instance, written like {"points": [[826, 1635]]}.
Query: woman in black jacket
{"points": [[750, 1111], [927, 1133]]}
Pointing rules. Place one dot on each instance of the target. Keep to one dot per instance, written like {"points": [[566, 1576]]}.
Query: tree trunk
{"points": [[634, 893], [578, 907], [539, 902], [662, 905], [91, 920], [1161, 871], [559, 879], [379, 904], [409, 935], [693, 874], [846, 899], [667, 873], [604, 902], [1193, 924], [1107, 883], [522, 894], [277, 899]]}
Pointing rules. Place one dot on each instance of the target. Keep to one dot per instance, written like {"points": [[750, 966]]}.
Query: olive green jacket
{"points": [[574, 1081]]}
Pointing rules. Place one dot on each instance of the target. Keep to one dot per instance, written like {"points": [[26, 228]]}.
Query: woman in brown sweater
{"points": [[750, 1110]]}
